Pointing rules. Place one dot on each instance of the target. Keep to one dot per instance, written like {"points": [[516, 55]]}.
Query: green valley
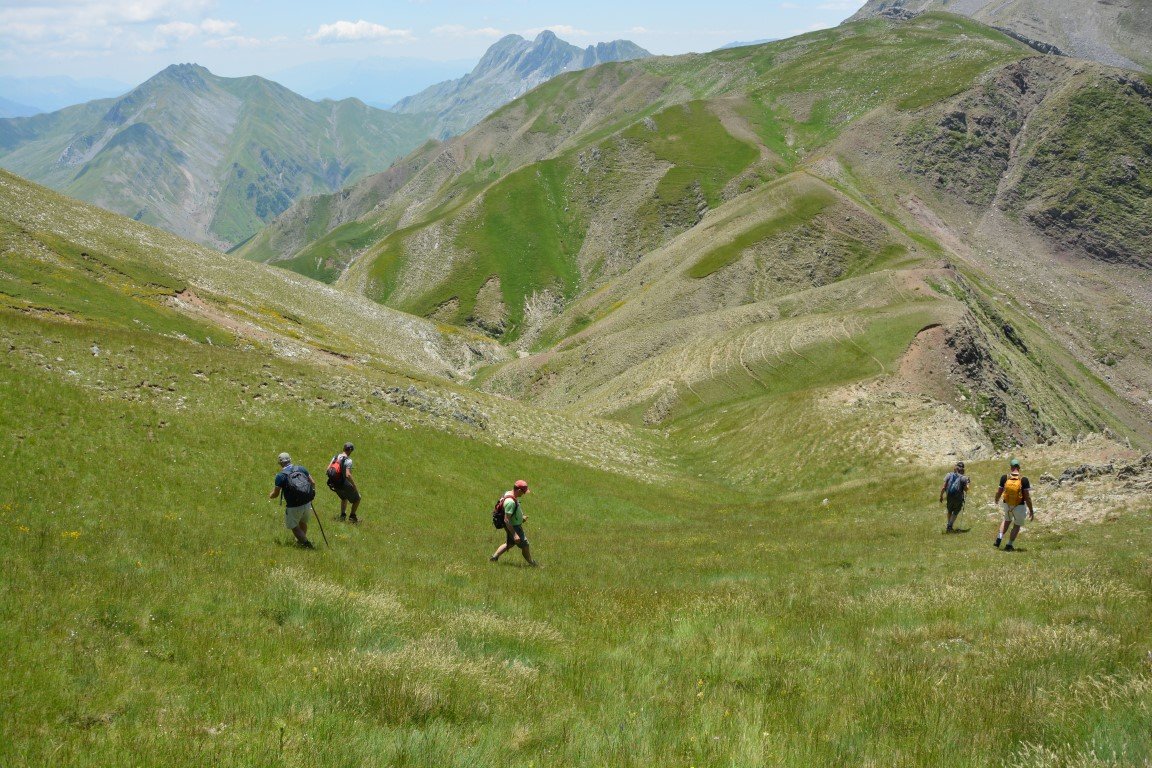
{"points": [[732, 316]]}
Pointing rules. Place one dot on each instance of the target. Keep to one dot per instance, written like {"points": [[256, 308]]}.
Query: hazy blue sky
{"points": [[131, 40]]}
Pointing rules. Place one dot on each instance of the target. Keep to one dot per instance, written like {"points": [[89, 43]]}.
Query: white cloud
{"points": [[218, 27], [180, 30], [460, 31], [239, 41], [357, 31]]}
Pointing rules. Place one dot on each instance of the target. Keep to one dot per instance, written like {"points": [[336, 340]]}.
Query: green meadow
{"points": [[156, 613]]}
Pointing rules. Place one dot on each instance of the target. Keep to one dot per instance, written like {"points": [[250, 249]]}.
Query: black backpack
{"points": [[498, 510], [298, 487]]}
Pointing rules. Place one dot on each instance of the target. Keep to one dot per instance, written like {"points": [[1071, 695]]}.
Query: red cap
{"points": [[521, 484]]}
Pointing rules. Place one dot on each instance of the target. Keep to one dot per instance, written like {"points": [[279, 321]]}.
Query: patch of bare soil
{"points": [[189, 303]]}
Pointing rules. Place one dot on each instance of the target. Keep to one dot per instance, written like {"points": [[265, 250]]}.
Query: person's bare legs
{"points": [[301, 532], [1012, 537], [524, 550], [499, 551]]}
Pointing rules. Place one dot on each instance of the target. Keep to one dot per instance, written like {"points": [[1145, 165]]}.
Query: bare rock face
{"points": [[1115, 32], [510, 68]]}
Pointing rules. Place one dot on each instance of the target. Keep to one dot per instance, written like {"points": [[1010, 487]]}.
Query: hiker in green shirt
{"points": [[514, 518]]}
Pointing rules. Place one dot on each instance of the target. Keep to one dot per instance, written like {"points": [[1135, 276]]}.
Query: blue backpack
{"points": [[954, 484]]}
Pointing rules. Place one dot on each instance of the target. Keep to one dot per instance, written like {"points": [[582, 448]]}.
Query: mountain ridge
{"points": [[615, 260], [218, 156], [1113, 33], [509, 68]]}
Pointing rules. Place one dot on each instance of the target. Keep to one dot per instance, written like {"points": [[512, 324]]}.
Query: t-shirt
{"points": [[964, 482], [281, 480], [1024, 485], [346, 463], [513, 510]]}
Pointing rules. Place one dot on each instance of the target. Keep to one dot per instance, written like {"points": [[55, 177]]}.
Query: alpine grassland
{"points": [[732, 316], [156, 613]]}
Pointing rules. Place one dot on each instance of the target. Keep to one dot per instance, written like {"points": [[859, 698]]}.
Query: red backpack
{"points": [[498, 510], [336, 472]]}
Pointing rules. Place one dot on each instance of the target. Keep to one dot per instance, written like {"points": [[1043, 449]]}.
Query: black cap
{"points": [[348, 447]]}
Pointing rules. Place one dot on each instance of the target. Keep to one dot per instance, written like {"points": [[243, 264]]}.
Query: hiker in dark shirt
{"points": [[955, 487], [1013, 495], [296, 509]]}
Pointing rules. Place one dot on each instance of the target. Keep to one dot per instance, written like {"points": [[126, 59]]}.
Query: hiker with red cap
{"points": [[508, 507]]}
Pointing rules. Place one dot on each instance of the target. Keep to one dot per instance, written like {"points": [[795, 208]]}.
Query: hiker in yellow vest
{"points": [[1013, 495]]}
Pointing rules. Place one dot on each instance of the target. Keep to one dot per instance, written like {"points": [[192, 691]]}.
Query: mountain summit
{"points": [[510, 68], [208, 158], [1113, 32]]}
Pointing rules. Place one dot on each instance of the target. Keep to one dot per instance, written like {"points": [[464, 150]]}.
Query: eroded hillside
{"points": [[665, 238]]}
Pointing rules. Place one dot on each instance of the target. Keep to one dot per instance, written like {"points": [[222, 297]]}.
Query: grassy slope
{"points": [[672, 624], [796, 95]]}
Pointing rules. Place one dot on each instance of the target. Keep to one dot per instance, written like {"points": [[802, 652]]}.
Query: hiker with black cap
{"points": [[299, 489], [955, 487], [514, 518], [341, 482], [1013, 495]]}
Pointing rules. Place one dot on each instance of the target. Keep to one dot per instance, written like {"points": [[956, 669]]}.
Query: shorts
{"points": [[512, 542], [955, 504], [293, 516], [1017, 514], [347, 493]]}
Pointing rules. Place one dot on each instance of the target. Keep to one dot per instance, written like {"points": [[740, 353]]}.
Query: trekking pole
{"points": [[317, 515]]}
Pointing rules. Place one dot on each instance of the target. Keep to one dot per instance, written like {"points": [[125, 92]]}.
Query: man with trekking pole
{"points": [[298, 489]]}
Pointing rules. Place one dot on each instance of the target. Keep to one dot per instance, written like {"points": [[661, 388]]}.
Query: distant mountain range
{"points": [[25, 96], [510, 68], [209, 158], [378, 82], [1113, 32]]}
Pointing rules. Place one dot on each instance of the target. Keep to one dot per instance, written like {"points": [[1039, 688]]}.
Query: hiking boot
{"points": [[1009, 548], [353, 519], [996, 543], [307, 544], [343, 516], [493, 559]]}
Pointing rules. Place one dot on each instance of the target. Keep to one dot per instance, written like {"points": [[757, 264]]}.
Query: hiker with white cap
{"points": [[1014, 496], [956, 488], [508, 507], [299, 489]]}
